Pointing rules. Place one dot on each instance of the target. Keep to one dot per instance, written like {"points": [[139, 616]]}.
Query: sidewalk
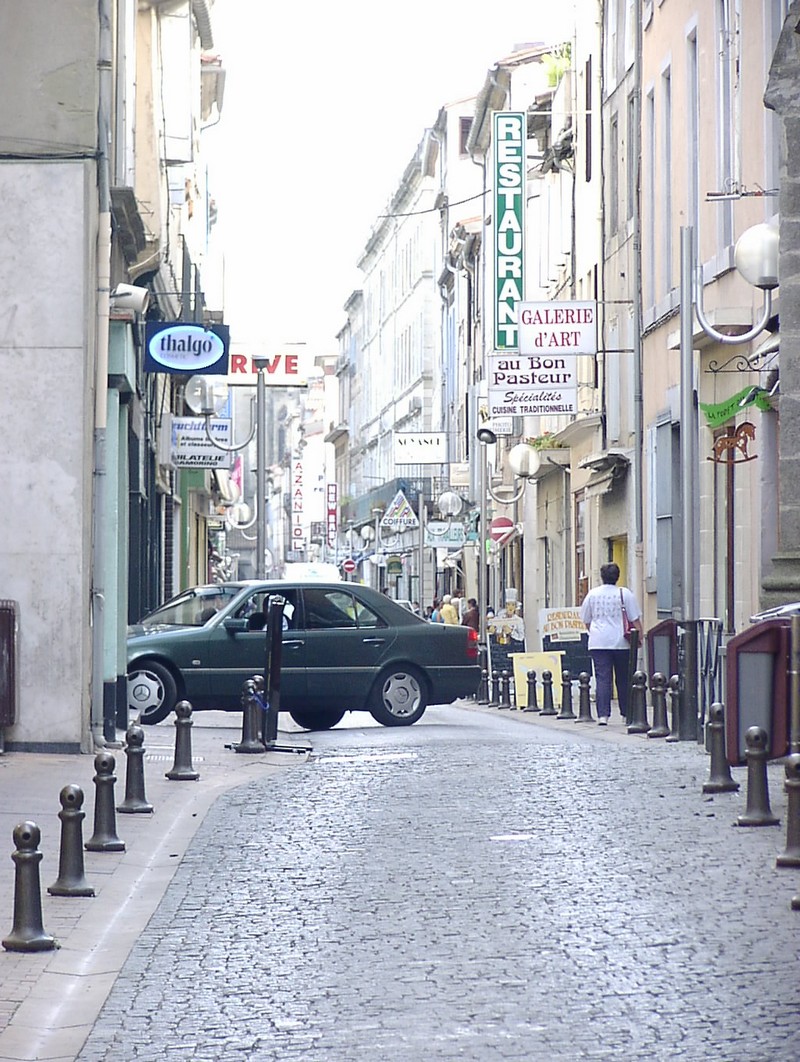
{"points": [[49, 1000]]}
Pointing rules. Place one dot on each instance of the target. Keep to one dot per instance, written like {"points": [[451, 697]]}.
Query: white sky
{"points": [[324, 106]]}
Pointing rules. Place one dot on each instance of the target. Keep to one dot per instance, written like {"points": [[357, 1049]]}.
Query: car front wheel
{"points": [[151, 692], [401, 697], [317, 718]]}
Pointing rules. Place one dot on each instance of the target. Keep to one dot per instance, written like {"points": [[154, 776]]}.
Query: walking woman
{"points": [[602, 612]]}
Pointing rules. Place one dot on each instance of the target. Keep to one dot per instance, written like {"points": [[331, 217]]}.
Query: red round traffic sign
{"points": [[349, 565], [500, 527]]}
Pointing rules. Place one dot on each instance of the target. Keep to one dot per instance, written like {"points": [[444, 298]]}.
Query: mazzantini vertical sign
{"points": [[509, 138]]}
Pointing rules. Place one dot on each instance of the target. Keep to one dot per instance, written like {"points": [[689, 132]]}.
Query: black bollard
{"points": [[483, 688], [104, 838], [494, 686], [658, 695], [251, 720], [27, 932], [135, 801], [182, 770], [637, 704], [504, 701], [758, 812], [71, 880], [790, 856], [566, 697], [533, 703], [547, 694], [512, 691], [584, 702], [673, 688], [719, 772]]}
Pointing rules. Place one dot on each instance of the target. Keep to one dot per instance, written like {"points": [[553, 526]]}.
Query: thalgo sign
{"points": [[509, 138], [186, 348]]}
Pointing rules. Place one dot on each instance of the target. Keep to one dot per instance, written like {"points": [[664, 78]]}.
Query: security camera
{"points": [[486, 436], [129, 297]]}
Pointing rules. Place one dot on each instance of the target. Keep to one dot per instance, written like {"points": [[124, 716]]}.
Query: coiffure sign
{"points": [[510, 132], [185, 348]]}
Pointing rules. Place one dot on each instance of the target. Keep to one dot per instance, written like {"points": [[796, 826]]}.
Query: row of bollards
{"points": [[27, 932], [664, 695]]}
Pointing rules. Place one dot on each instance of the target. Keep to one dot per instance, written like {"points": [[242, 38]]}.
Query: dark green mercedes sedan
{"points": [[346, 648]]}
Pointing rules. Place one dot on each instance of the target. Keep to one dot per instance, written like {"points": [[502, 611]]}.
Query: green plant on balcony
{"points": [[545, 441]]}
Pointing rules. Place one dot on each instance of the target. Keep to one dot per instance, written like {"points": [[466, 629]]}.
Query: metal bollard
{"points": [[758, 812], [637, 706], [584, 702], [658, 695], [483, 688], [504, 700], [182, 770], [547, 694], [71, 880], [494, 685], [566, 697], [673, 688], [533, 703], [104, 838], [251, 720], [790, 856], [719, 772], [27, 932], [135, 801]]}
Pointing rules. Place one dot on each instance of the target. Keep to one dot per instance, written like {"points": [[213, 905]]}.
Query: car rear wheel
{"points": [[152, 692], [317, 718], [401, 697]]}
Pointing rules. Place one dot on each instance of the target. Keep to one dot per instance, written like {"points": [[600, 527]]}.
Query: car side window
{"points": [[328, 609], [256, 610]]}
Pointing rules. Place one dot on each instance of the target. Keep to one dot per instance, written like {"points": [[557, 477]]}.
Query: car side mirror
{"points": [[234, 625]]}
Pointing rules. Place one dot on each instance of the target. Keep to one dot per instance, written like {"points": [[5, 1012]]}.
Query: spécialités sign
{"points": [[521, 385]]}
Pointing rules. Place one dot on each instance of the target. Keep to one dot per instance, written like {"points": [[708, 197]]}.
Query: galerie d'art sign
{"points": [[185, 348]]}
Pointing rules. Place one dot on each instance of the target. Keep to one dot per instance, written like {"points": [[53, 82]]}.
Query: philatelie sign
{"points": [[509, 135], [558, 328], [521, 385], [186, 348], [191, 447]]}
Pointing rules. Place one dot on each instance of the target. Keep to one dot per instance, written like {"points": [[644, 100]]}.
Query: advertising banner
{"points": [[509, 135], [191, 447], [289, 367], [558, 328], [420, 447]]}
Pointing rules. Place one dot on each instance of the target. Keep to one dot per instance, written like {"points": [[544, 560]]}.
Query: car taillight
{"points": [[472, 643]]}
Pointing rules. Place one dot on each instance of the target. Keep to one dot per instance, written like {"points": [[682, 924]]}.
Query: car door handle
{"points": [[373, 641], [294, 643]]}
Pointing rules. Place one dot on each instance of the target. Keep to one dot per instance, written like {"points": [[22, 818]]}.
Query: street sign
{"points": [[348, 565], [500, 528]]}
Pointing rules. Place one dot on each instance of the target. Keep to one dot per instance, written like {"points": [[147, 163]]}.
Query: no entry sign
{"points": [[500, 528]]}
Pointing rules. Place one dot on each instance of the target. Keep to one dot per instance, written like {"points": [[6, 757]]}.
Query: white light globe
{"points": [[450, 503], [522, 459], [756, 256]]}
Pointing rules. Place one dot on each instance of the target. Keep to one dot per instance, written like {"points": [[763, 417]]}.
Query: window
{"points": [[587, 135], [613, 181], [665, 168], [464, 127], [336, 610], [581, 575]]}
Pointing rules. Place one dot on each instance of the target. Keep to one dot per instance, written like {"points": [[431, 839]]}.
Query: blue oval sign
{"points": [[187, 348]]}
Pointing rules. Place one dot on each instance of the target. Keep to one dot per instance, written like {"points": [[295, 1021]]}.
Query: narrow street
{"points": [[479, 886]]}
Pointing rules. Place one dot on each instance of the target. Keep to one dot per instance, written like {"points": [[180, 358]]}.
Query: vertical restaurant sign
{"points": [[298, 538], [332, 513], [508, 217]]}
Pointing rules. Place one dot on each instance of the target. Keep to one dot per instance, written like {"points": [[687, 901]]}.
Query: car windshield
{"points": [[193, 608]]}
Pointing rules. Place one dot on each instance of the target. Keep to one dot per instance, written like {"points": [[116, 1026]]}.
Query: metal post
{"points": [[422, 516], [482, 520], [794, 686], [687, 730], [261, 475]]}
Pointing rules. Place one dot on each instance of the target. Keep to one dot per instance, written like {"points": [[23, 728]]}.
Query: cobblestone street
{"points": [[471, 888]]}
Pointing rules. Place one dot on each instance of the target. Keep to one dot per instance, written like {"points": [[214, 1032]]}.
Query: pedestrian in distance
{"points": [[436, 612], [471, 616], [448, 610], [602, 612]]}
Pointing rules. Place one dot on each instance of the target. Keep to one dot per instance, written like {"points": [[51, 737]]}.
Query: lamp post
{"points": [[377, 514], [756, 259], [209, 402]]}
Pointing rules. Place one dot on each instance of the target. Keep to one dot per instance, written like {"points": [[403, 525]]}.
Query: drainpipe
{"points": [[102, 718], [638, 399]]}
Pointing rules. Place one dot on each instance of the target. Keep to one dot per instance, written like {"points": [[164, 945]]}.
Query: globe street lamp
{"points": [[756, 259]]}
